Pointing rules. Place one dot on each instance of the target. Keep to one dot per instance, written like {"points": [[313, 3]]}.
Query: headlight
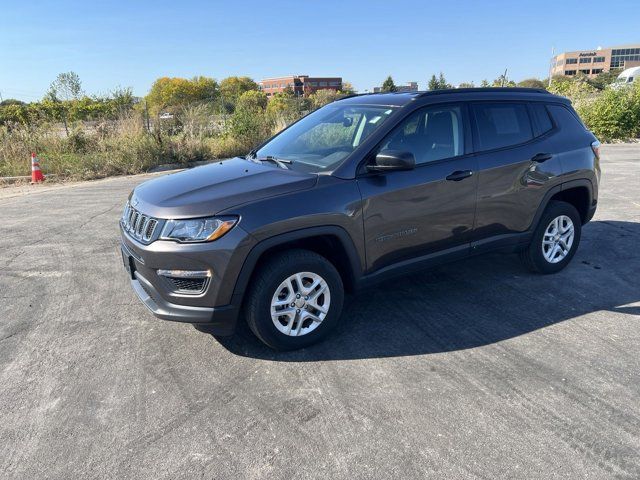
{"points": [[197, 229]]}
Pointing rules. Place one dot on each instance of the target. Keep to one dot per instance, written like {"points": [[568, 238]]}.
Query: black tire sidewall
{"points": [[267, 281], [555, 209]]}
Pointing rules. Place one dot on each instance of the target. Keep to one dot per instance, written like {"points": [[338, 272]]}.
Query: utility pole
{"points": [[504, 77], [553, 54], [146, 116]]}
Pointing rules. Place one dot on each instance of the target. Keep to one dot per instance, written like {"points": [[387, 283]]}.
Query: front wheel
{"points": [[295, 299], [555, 240]]}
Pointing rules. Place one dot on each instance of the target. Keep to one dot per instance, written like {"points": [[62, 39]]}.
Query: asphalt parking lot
{"points": [[472, 370]]}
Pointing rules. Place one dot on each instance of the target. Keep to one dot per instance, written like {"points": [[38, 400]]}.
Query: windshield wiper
{"points": [[282, 163]]}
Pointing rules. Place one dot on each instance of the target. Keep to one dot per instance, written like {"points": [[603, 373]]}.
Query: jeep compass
{"points": [[360, 190]]}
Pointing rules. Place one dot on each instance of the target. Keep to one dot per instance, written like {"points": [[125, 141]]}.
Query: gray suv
{"points": [[360, 190]]}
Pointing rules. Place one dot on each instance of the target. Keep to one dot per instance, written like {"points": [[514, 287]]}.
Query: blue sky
{"points": [[131, 43]]}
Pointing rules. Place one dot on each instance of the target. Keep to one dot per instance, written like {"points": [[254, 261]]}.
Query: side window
{"points": [[432, 133], [541, 121], [502, 124], [566, 119]]}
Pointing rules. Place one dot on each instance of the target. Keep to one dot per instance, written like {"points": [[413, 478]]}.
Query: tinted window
{"points": [[430, 134], [541, 120], [501, 124], [565, 118]]}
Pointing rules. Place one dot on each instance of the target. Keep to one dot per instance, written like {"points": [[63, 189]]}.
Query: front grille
{"points": [[188, 285], [137, 224]]}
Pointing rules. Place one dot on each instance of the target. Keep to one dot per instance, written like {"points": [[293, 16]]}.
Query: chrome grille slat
{"points": [[138, 225]]}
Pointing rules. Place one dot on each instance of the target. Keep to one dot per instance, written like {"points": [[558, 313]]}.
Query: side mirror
{"points": [[389, 160]]}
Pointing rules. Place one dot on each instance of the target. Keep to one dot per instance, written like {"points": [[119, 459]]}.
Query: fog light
{"points": [[185, 273]]}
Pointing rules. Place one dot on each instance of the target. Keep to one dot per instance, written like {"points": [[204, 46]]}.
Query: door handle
{"points": [[459, 175], [541, 157]]}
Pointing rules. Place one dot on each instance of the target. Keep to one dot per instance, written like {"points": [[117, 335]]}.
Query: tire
{"points": [[285, 316], [539, 257]]}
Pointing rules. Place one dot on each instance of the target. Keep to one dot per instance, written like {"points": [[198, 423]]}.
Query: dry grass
{"points": [[111, 148]]}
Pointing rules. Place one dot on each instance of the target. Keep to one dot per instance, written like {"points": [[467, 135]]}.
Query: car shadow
{"points": [[480, 301]]}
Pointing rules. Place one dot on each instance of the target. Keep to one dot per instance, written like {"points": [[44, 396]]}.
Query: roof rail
{"points": [[485, 90]]}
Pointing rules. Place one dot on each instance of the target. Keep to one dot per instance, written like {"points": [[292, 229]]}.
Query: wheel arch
{"points": [[579, 193], [332, 242]]}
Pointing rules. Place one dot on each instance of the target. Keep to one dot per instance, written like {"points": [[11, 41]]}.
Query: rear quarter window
{"points": [[501, 125], [566, 119], [541, 120]]}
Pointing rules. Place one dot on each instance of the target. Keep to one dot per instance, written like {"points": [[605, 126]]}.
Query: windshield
{"points": [[321, 140]]}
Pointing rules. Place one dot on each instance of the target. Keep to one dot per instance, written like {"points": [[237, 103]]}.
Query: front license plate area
{"points": [[129, 266]]}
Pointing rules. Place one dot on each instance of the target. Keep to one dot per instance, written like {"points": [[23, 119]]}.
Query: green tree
{"points": [[64, 89], [532, 83], [250, 124], [388, 85], [438, 83], [347, 88], [604, 79], [613, 113], [503, 81], [231, 88], [253, 100], [11, 101], [323, 97], [121, 100], [485, 83], [467, 85], [172, 94]]}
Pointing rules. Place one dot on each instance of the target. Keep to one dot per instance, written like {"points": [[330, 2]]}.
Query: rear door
{"points": [[516, 164], [428, 209]]}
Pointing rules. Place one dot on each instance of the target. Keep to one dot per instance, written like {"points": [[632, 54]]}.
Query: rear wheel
{"points": [[555, 240], [294, 300]]}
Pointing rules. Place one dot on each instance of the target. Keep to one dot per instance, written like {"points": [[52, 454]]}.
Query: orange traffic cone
{"points": [[36, 173]]}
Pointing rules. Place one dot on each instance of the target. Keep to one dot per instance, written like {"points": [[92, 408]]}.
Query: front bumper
{"points": [[219, 320], [217, 306]]}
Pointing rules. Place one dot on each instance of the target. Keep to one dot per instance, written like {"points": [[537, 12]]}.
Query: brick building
{"points": [[300, 84]]}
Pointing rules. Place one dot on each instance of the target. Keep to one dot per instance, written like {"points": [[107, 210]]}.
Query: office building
{"points": [[593, 62]]}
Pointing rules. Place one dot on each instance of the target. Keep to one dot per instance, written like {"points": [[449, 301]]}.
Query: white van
{"points": [[627, 77]]}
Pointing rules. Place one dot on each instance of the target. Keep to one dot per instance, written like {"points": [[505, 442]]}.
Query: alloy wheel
{"points": [[558, 239], [300, 304]]}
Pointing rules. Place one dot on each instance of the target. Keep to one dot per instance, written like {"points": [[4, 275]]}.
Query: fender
{"points": [[256, 252]]}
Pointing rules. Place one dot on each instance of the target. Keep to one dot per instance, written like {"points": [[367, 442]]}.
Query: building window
{"points": [[569, 72], [571, 61], [598, 59], [335, 84], [620, 56], [314, 84], [585, 60], [323, 84], [586, 72], [595, 71]]}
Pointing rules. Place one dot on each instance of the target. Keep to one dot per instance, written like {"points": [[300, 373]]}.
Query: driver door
{"points": [[429, 209]]}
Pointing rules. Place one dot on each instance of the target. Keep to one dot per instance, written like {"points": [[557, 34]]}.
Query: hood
{"points": [[210, 189]]}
